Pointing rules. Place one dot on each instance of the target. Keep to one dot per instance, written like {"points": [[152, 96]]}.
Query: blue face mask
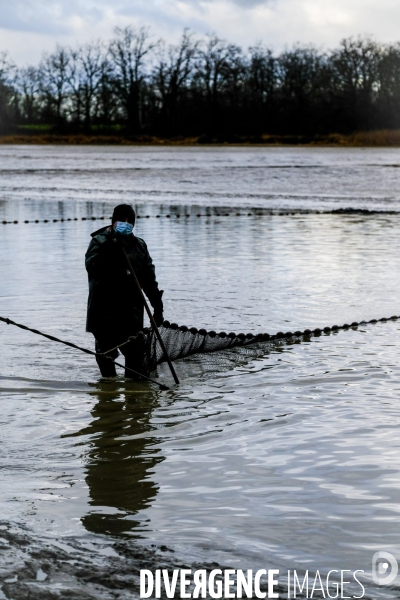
{"points": [[124, 228]]}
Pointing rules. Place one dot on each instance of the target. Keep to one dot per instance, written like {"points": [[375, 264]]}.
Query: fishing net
{"points": [[181, 341]]}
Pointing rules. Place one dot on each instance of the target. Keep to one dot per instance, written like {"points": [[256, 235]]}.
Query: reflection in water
{"points": [[119, 472]]}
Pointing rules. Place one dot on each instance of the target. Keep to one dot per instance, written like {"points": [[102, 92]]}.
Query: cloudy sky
{"points": [[29, 27]]}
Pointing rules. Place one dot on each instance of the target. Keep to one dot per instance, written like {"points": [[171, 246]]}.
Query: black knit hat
{"points": [[123, 212]]}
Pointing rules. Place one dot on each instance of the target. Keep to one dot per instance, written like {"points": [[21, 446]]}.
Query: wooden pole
{"points": [[152, 321]]}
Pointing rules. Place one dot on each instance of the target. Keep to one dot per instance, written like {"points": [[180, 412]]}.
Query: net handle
{"points": [[150, 315]]}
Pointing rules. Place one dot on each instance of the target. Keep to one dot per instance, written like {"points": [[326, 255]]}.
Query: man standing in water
{"points": [[115, 307]]}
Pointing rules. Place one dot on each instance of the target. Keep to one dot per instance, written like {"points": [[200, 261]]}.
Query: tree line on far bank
{"points": [[135, 85]]}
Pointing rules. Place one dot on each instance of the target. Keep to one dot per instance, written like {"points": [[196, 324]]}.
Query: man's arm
{"points": [[150, 288], [97, 259]]}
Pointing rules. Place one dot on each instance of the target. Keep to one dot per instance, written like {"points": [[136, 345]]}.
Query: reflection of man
{"points": [[119, 471], [115, 308]]}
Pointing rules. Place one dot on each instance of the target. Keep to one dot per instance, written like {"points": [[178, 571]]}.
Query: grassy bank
{"points": [[381, 138]]}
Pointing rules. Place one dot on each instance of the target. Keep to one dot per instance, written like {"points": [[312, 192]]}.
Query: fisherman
{"points": [[115, 307]]}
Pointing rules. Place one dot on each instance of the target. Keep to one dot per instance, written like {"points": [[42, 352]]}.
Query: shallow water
{"points": [[281, 456]]}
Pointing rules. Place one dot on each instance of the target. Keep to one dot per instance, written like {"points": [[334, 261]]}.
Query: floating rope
{"points": [[336, 211], [71, 345], [251, 337]]}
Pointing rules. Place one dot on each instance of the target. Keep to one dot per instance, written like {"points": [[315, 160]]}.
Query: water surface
{"points": [[282, 456]]}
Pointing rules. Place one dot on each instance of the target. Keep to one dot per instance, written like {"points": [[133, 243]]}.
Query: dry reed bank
{"points": [[382, 138]]}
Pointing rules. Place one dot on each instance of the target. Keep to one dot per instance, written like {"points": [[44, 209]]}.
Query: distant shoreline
{"points": [[382, 138]]}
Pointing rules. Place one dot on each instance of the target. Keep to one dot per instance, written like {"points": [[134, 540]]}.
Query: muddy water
{"points": [[283, 456]]}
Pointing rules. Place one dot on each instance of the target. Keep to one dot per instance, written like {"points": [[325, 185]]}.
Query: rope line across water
{"points": [[52, 338], [339, 211], [264, 337]]}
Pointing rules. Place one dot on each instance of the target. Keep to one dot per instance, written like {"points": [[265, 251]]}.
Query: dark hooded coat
{"points": [[114, 300]]}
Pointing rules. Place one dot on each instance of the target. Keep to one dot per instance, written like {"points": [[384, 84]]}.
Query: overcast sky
{"points": [[29, 27]]}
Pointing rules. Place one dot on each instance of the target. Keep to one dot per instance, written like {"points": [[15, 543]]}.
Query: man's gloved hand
{"points": [[158, 309]]}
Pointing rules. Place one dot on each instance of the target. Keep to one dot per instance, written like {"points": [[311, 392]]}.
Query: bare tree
{"points": [[7, 91], [299, 70], [28, 82], [219, 85], [94, 63], [85, 71], [356, 72], [214, 66], [235, 78], [261, 75], [106, 103], [75, 81], [261, 78], [171, 76], [302, 79], [128, 53], [55, 82]]}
